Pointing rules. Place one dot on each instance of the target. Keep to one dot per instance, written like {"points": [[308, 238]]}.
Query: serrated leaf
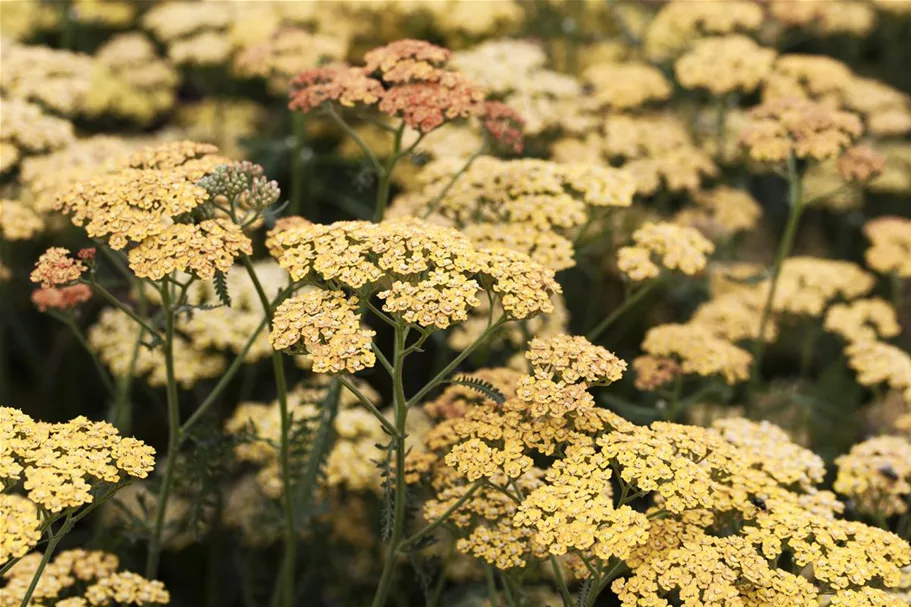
{"points": [[221, 288], [479, 385]]}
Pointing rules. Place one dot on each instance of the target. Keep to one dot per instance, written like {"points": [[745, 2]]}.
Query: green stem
{"points": [[442, 518], [795, 195], [399, 509], [561, 583], [377, 166], [619, 310], [319, 445], [300, 202], [674, 408], [223, 382], [382, 194], [45, 559], [156, 336], [389, 426], [67, 319], [448, 369], [284, 460], [154, 550], [491, 585], [435, 202]]}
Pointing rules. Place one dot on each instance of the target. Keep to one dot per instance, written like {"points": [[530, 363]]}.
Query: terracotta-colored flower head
{"points": [[504, 124], [426, 105], [56, 267], [343, 83], [63, 298], [407, 60], [861, 163]]}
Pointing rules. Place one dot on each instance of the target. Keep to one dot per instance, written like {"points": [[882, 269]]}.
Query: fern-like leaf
{"points": [[221, 288], [479, 385]]}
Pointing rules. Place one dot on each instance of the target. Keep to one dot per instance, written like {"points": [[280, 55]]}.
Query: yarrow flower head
{"points": [[62, 462], [431, 274], [62, 298], [675, 247], [890, 250], [876, 475], [863, 320], [80, 578], [724, 65], [405, 78], [56, 267], [806, 129], [326, 325], [698, 350]]}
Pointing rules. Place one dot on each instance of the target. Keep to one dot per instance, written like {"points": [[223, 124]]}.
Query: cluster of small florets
{"points": [[675, 247], [876, 475], [62, 463], [406, 79], [148, 201], [350, 463], [805, 129], [877, 362], [721, 212], [698, 350], [432, 277], [528, 205], [326, 325], [890, 245], [81, 578], [56, 267], [808, 285], [863, 320], [724, 65], [118, 342], [678, 23]]}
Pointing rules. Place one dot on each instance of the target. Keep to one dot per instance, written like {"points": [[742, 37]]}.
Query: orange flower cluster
{"points": [[407, 79]]}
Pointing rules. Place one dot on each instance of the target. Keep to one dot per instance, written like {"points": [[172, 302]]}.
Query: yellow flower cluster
{"points": [[657, 149], [140, 201], [724, 65], [226, 328], [863, 320], [679, 22], [114, 339], [201, 249], [350, 463], [851, 18], [435, 272], [291, 50], [721, 212], [698, 350], [528, 205], [628, 85], [733, 316], [133, 59], [19, 221], [74, 84], [676, 248], [807, 285], [92, 573], [769, 448], [890, 250], [896, 175], [790, 126], [876, 475], [61, 462], [43, 177], [27, 130], [877, 362], [575, 510], [21, 524], [327, 326]]}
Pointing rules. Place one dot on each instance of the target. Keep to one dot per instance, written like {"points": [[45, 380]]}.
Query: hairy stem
{"points": [[795, 195], [448, 369], [442, 518], [382, 194], [631, 301], [399, 511], [161, 506], [45, 559]]}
